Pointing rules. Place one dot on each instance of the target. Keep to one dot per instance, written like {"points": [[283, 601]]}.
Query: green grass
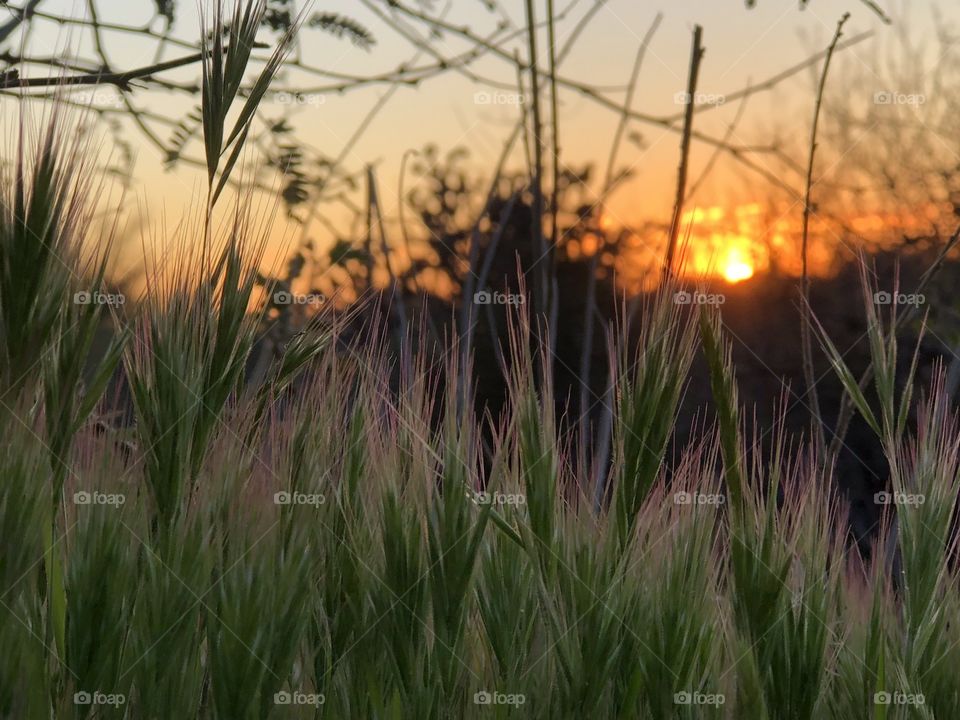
{"points": [[324, 547], [388, 587]]}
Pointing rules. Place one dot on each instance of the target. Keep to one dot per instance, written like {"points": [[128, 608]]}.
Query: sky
{"points": [[742, 47]]}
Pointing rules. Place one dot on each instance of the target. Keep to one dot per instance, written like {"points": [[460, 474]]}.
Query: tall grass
{"points": [[337, 548], [325, 545]]}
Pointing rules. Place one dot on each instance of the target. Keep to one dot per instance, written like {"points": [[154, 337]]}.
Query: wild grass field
{"points": [[350, 534]]}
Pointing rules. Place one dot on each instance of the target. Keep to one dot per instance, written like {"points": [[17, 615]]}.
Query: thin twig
{"points": [[579, 28], [806, 344], [717, 151], [774, 80], [7, 29], [120, 79]]}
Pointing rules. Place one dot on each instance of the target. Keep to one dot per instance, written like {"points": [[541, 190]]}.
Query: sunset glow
{"points": [[724, 243], [736, 268], [735, 243]]}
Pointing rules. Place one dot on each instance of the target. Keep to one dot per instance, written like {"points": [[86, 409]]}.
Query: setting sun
{"points": [[723, 242], [736, 268]]}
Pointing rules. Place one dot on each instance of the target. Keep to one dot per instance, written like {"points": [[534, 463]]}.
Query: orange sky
{"points": [[743, 47]]}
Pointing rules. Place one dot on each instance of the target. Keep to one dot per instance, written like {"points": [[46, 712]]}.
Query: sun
{"points": [[722, 242], [736, 268]]}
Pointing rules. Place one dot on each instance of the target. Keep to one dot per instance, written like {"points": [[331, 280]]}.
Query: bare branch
{"points": [[805, 325], [121, 80]]}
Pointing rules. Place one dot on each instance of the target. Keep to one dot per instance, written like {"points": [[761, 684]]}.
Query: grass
{"points": [[332, 542], [328, 546]]}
